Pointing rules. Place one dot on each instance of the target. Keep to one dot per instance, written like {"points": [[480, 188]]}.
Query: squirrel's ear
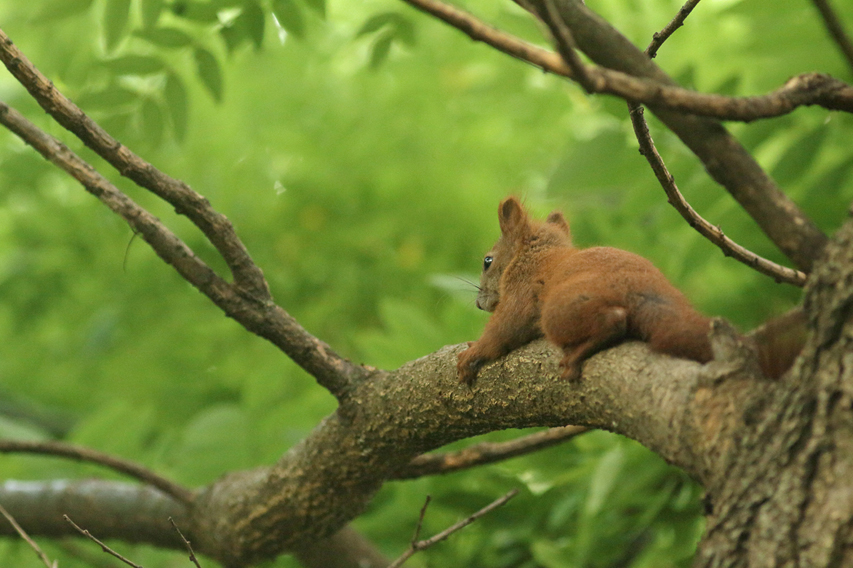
{"points": [[512, 217], [556, 218]]}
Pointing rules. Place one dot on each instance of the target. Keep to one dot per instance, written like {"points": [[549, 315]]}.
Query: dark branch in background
{"points": [[39, 552], [418, 545], [247, 300], [676, 199], [126, 467], [486, 453], [804, 90], [724, 158], [567, 47], [836, 30]]}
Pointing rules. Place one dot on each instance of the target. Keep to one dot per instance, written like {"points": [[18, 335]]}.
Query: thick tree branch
{"points": [[676, 199], [629, 73], [109, 509], [725, 159]]}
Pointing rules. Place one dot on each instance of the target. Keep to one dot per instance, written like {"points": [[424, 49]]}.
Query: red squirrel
{"points": [[582, 300]]}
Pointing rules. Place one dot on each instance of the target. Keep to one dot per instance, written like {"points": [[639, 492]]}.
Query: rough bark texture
{"points": [[783, 495]]}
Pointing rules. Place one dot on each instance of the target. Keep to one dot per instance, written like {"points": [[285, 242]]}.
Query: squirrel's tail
{"points": [[779, 341]]}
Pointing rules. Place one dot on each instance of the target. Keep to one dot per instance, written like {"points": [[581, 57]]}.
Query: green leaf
{"points": [[196, 11], [107, 99], [165, 37], [253, 19], [115, 21], [381, 48], [176, 103], [135, 65], [209, 73], [52, 10], [153, 124], [150, 12], [318, 6], [396, 25], [289, 15]]}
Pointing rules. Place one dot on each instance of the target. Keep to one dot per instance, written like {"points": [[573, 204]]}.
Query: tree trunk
{"points": [[781, 493]]}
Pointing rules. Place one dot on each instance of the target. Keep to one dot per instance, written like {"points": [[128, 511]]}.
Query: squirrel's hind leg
{"points": [[581, 326]]}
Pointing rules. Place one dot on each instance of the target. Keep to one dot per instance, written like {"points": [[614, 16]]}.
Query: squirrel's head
{"points": [[518, 233]]}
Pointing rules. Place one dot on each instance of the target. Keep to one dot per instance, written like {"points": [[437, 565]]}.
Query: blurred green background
{"points": [[360, 149]]}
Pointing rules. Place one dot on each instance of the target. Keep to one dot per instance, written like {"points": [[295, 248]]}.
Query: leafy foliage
{"points": [[364, 179]]}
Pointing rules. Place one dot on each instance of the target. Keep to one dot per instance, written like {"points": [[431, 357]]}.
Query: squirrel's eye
{"points": [[487, 262]]}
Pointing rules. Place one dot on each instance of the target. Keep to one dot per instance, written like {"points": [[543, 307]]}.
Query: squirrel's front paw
{"points": [[467, 366]]}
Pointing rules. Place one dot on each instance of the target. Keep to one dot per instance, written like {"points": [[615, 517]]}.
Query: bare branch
{"points": [[189, 546], [630, 74], [706, 229], [486, 452], [27, 538], [566, 46], [417, 546], [835, 29], [725, 159], [478, 30], [677, 22], [120, 465], [676, 199], [804, 90], [103, 546], [216, 227], [262, 318]]}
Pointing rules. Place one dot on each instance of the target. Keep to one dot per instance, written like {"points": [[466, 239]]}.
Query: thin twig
{"points": [[265, 319], [676, 198], [27, 538], [567, 48], [486, 452], [215, 226], [418, 545], [193, 559], [120, 465], [803, 90], [836, 30], [417, 535], [712, 233], [677, 22], [103, 546]]}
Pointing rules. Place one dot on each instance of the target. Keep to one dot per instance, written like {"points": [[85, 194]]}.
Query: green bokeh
{"points": [[360, 150]]}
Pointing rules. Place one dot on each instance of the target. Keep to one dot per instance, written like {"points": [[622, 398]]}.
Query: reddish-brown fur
{"points": [[582, 300]]}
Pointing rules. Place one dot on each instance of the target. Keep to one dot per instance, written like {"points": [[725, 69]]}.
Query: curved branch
{"points": [[633, 76], [486, 453], [263, 318], [216, 227], [660, 37], [706, 229], [126, 467]]}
